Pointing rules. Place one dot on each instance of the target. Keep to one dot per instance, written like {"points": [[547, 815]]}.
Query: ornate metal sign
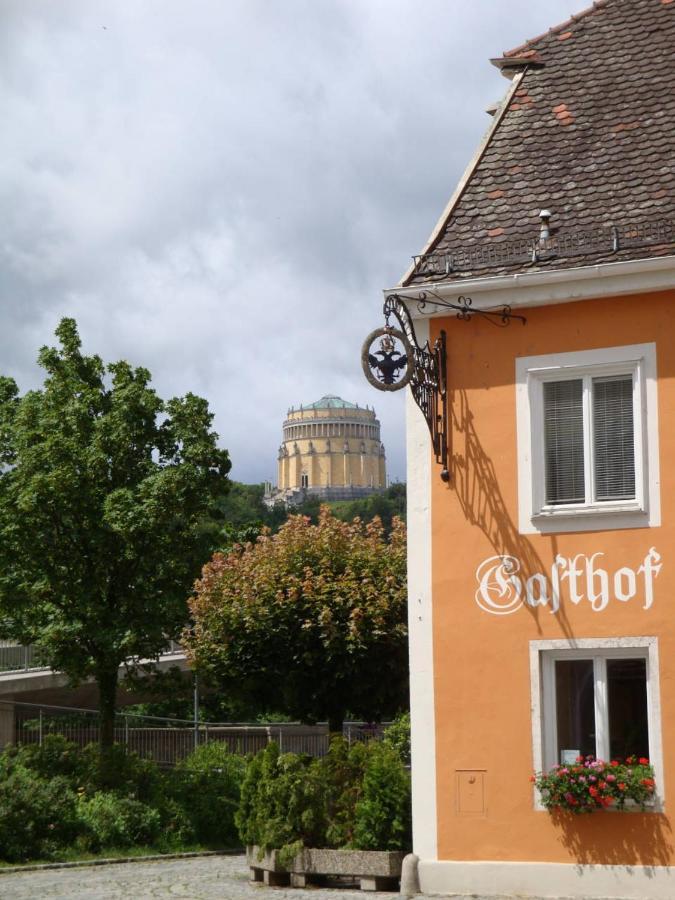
{"points": [[390, 367], [392, 358]]}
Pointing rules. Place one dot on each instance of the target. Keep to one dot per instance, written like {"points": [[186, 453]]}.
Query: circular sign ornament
{"points": [[390, 367]]}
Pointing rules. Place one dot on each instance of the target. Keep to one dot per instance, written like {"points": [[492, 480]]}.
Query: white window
{"points": [[596, 696], [588, 440]]}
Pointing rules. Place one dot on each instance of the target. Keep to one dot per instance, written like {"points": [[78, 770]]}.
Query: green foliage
{"points": [[246, 515], [270, 620], [281, 801], [106, 492], [37, 816], [208, 785], [383, 812], [120, 771], [343, 770], [113, 821], [56, 796], [55, 757], [356, 797], [387, 506], [397, 736]]}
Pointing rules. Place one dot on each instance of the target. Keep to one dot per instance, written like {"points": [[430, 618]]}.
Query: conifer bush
{"points": [[355, 797]]}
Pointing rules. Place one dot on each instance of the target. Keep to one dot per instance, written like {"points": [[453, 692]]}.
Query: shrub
{"points": [[282, 801], [383, 813], [56, 756], [355, 797], [208, 786], [343, 769], [37, 816], [121, 771], [113, 821], [397, 736]]}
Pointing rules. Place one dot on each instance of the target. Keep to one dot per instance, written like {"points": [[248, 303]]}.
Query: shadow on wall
{"points": [[475, 483], [641, 839]]}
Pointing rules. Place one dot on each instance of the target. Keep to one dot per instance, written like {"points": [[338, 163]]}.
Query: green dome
{"points": [[331, 401]]}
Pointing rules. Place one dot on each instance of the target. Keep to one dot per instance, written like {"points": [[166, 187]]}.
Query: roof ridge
{"points": [[597, 5]]}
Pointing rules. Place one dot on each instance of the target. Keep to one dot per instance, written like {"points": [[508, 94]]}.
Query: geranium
{"points": [[566, 789]]}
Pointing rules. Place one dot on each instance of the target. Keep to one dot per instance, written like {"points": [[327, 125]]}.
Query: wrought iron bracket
{"points": [[428, 381], [463, 307]]}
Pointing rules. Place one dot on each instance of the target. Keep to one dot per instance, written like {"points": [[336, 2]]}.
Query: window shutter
{"points": [[564, 441], [613, 442]]}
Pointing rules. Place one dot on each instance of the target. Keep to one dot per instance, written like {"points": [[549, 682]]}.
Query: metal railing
{"points": [[21, 658], [167, 740]]}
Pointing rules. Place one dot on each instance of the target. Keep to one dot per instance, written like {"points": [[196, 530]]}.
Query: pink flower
{"points": [[610, 778]]}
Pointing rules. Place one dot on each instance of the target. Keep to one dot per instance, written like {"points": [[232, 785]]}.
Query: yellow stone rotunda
{"points": [[331, 449]]}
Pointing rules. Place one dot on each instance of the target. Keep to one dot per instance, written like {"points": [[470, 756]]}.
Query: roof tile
{"points": [[611, 166]]}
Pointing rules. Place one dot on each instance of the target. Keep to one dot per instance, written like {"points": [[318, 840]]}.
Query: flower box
{"points": [[591, 784], [375, 870]]}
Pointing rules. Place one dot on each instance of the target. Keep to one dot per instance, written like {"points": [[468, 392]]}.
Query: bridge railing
{"points": [[26, 658]]}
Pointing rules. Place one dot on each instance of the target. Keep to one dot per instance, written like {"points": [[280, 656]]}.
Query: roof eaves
{"points": [[508, 66]]}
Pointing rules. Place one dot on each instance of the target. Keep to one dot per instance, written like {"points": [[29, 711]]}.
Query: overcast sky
{"points": [[220, 189]]}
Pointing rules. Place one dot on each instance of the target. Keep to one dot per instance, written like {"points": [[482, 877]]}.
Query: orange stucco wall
{"points": [[482, 679]]}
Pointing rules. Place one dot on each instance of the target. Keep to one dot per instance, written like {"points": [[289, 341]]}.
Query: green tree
{"points": [[310, 621], [104, 494]]}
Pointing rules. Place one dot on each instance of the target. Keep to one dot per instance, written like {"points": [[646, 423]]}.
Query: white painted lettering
{"points": [[536, 590], [600, 599], [625, 584], [502, 590], [571, 575], [499, 587], [650, 570]]}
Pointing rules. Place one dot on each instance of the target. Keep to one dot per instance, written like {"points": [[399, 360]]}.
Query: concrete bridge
{"points": [[22, 678]]}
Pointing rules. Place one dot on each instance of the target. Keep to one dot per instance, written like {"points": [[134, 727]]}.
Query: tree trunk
{"points": [[107, 698]]}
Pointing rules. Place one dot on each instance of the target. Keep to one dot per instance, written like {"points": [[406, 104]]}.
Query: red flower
{"points": [[533, 778], [615, 762], [643, 761], [622, 786], [593, 791]]}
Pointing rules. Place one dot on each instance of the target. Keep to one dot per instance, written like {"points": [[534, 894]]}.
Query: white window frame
{"points": [[535, 516], [543, 655]]}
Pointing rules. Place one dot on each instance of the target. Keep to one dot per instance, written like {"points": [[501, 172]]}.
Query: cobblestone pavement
{"points": [[206, 878]]}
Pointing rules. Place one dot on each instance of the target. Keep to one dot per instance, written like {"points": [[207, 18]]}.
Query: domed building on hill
{"points": [[331, 449]]}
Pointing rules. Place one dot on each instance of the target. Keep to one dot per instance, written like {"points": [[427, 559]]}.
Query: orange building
{"points": [[542, 565]]}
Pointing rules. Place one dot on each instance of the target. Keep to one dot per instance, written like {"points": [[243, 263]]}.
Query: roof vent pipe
{"points": [[545, 232]]}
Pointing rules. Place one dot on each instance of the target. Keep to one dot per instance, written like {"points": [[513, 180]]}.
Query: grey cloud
{"points": [[220, 191]]}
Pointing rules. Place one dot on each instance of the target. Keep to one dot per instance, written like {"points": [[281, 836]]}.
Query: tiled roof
{"points": [[588, 133]]}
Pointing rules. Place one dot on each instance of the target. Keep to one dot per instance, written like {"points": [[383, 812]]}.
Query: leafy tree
{"points": [[104, 494], [310, 621]]}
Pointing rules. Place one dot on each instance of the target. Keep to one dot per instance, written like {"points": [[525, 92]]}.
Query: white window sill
{"points": [[555, 520]]}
